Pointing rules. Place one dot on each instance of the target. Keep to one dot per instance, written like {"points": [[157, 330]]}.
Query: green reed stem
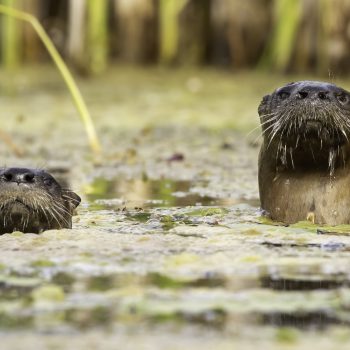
{"points": [[169, 28], [67, 77], [10, 43], [97, 35]]}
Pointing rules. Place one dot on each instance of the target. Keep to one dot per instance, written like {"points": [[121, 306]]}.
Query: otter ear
{"points": [[71, 197], [263, 107]]}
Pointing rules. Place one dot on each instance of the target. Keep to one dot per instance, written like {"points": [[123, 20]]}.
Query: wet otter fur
{"points": [[304, 162], [31, 200]]}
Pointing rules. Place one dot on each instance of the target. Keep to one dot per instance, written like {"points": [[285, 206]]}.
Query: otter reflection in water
{"points": [[31, 200], [304, 162]]}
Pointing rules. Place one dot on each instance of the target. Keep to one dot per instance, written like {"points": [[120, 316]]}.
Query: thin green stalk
{"points": [[10, 43], [288, 19], [280, 48], [169, 28], [97, 35], [76, 95]]}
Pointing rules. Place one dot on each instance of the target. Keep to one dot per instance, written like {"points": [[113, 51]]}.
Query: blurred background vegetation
{"points": [[285, 35]]}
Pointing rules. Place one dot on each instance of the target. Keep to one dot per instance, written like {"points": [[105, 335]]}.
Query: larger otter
{"points": [[304, 163], [31, 200]]}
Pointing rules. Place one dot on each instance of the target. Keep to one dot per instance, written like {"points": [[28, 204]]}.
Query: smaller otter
{"points": [[32, 201], [304, 162]]}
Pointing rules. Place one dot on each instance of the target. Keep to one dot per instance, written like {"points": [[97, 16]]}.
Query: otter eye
{"points": [[342, 98], [48, 182], [283, 95]]}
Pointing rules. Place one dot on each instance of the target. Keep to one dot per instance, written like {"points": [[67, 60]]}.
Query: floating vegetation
{"points": [[208, 212], [170, 252]]}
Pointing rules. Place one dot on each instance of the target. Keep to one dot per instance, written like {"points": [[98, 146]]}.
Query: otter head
{"points": [[307, 122], [31, 200]]}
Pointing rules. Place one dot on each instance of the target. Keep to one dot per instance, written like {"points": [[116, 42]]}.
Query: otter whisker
{"points": [[53, 214], [267, 129], [331, 161], [259, 126], [62, 209], [291, 156]]}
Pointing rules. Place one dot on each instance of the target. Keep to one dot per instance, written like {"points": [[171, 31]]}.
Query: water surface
{"points": [[168, 249]]}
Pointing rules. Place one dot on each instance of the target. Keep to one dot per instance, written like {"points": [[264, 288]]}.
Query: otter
{"points": [[32, 201], [304, 161]]}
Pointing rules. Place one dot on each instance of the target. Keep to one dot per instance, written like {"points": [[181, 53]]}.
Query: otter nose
{"points": [[18, 175], [313, 94]]}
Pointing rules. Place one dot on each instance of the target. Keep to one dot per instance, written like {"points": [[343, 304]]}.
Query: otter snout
{"points": [[306, 112], [314, 93], [18, 175]]}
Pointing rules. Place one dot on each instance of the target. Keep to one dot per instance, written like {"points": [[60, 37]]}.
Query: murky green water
{"points": [[144, 193], [168, 248]]}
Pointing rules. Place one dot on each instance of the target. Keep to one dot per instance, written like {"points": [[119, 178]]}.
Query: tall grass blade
{"points": [[10, 39], [169, 28], [67, 77]]}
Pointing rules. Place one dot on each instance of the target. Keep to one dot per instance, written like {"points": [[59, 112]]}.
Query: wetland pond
{"points": [[168, 248]]}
